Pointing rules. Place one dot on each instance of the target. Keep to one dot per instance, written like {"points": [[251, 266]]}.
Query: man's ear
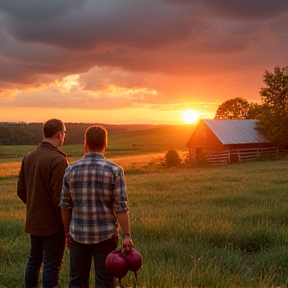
{"points": [[85, 146]]}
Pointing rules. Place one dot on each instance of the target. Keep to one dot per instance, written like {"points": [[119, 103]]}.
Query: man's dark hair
{"points": [[51, 127], [95, 137]]}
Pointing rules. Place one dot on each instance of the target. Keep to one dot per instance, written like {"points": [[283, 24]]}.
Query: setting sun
{"points": [[190, 116]]}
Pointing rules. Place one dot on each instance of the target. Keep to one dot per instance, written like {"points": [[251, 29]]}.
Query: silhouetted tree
{"points": [[236, 108], [274, 118], [255, 111]]}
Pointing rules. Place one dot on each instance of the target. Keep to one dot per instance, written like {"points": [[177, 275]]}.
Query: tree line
{"points": [[31, 133], [272, 113]]}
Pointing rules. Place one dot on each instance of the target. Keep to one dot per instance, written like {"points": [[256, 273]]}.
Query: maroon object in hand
{"points": [[116, 264], [134, 260]]}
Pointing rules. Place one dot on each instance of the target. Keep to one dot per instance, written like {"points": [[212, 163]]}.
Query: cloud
{"points": [[247, 10], [141, 24], [128, 53]]}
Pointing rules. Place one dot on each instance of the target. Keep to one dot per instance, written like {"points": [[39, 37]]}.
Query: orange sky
{"points": [[127, 61]]}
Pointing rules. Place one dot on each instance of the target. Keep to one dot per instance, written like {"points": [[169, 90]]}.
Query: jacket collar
{"points": [[50, 146]]}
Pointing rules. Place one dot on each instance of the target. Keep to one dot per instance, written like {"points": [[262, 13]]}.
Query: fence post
{"points": [[239, 155]]}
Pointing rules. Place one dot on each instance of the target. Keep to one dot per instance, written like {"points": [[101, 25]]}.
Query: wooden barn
{"points": [[225, 141]]}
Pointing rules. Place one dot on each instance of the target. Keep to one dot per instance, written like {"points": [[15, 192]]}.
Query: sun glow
{"points": [[190, 116]]}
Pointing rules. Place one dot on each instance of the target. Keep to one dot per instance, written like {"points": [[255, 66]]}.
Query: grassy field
{"points": [[220, 226], [213, 226]]}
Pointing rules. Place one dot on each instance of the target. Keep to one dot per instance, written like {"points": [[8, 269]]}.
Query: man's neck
{"points": [[95, 151]]}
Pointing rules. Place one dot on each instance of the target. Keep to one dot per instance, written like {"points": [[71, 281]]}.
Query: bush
{"points": [[172, 158]]}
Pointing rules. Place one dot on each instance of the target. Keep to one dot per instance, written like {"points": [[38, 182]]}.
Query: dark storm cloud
{"points": [[35, 11], [252, 10], [44, 41], [142, 24]]}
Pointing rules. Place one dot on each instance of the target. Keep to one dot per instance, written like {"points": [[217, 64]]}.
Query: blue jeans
{"points": [[47, 250], [80, 263]]}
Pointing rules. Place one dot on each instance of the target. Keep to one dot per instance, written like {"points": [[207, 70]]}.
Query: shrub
{"points": [[172, 158]]}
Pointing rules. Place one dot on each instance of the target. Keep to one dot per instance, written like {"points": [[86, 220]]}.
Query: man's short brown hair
{"points": [[96, 137], [52, 126]]}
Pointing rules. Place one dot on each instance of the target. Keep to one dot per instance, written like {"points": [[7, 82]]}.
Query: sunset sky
{"points": [[135, 61]]}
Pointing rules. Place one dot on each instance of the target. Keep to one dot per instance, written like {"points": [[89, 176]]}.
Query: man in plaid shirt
{"points": [[94, 207]]}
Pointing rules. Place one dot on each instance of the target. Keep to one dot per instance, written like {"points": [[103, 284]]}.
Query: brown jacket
{"points": [[39, 187]]}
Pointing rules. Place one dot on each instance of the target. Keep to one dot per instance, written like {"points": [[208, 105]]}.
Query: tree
{"points": [[236, 108], [255, 111], [274, 118]]}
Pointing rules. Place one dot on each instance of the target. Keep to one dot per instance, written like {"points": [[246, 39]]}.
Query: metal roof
{"points": [[235, 131]]}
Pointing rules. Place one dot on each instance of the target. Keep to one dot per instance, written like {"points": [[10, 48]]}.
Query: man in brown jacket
{"points": [[39, 187]]}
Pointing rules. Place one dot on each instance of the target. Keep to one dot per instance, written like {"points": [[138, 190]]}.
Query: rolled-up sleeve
{"points": [[120, 193], [65, 200]]}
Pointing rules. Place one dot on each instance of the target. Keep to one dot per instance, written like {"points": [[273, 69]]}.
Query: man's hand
{"points": [[127, 243]]}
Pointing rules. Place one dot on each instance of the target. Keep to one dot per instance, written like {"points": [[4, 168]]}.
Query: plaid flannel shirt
{"points": [[94, 188]]}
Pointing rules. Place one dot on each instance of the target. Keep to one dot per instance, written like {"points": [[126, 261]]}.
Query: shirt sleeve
{"points": [[65, 200], [120, 193]]}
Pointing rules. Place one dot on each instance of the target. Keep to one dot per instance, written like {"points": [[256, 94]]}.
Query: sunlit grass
{"points": [[9, 169], [129, 160], [221, 226]]}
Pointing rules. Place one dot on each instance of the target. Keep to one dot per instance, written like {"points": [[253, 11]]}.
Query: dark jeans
{"points": [[48, 250], [80, 263]]}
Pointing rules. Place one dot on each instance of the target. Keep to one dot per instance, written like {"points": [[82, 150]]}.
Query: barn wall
{"points": [[204, 137], [249, 146]]}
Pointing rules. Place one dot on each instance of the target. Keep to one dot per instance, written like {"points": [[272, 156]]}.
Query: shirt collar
{"points": [[96, 155]]}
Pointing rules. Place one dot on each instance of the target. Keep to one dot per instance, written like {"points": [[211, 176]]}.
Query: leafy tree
{"points": [[236, 108], [255, 111], [274, 118], [172, 158]]}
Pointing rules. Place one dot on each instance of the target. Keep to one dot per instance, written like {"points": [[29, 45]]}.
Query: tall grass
{"points": [[220, 226]]}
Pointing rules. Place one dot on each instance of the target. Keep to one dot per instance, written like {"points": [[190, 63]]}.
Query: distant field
{"points": [[129, 149], [157, 139]]}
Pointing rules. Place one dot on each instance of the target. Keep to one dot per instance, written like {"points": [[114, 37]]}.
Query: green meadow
{"points": [[207, 226]]}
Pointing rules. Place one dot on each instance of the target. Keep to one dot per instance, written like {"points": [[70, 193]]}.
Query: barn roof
{"points": [[235, 131]]}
